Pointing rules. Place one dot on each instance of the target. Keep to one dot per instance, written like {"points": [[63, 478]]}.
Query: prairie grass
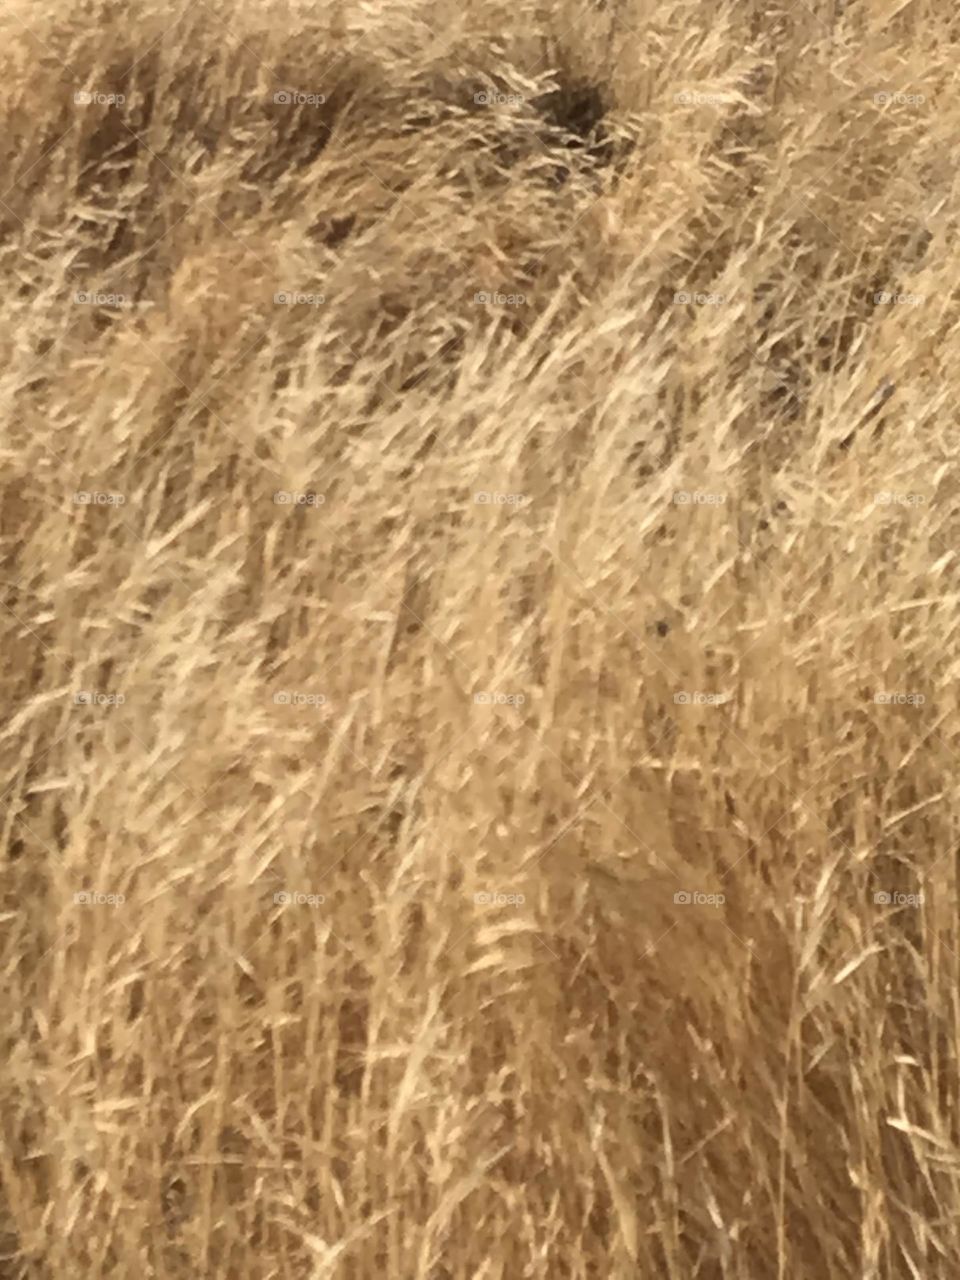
{"points": [[479, 626]]}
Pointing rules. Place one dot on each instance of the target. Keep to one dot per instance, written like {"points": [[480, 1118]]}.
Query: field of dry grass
{"points": [[479, 620]]}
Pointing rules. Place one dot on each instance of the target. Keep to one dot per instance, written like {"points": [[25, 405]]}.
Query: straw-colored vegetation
{"points": [[479, 590]]}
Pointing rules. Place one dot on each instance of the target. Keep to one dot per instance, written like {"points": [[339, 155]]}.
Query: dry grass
{"points": [[495, 1045]]}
